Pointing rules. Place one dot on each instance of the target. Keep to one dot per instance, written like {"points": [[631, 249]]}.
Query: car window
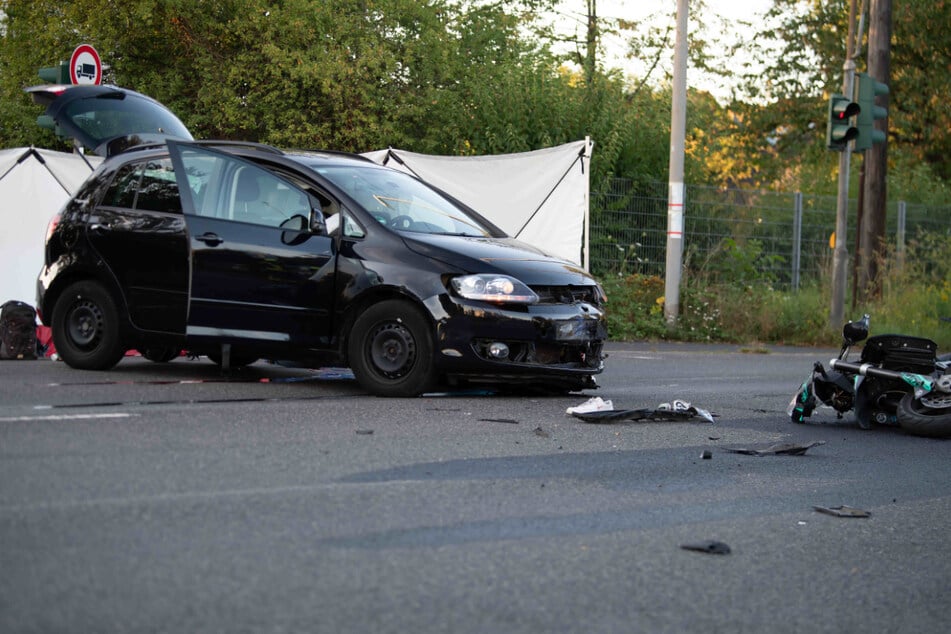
{"points": [[402, 202], [158, 190], [104, 116], [122, 191], [232, 189], [148, 185]]}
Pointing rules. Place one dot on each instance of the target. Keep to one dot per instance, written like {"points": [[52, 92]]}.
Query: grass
{"points": [[915, 294]]}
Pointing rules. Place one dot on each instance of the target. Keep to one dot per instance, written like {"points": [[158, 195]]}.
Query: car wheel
{"points": [[161, 354], [390, 350], [86, 327]]}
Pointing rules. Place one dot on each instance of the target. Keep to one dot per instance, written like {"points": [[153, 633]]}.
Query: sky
{"points": [[570, 17]]}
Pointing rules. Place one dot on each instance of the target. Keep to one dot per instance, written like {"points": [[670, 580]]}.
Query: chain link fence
{"points": [[778, 236]]}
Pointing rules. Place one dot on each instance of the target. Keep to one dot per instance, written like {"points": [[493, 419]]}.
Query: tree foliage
{"points": [[436, 76], [803, 50], [483, 76]]}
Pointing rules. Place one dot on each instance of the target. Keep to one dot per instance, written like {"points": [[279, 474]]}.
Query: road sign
{"points": [[85, 67]]}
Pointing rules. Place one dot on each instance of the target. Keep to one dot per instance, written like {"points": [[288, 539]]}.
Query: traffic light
{"points": [[56, 74], [839, 129], [869, 89]]}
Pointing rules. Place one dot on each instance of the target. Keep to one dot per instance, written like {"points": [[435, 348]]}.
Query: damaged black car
{"points": [[241, 251]]}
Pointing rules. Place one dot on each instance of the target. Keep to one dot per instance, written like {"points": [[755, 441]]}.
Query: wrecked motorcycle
{"points": [[899, 380]]}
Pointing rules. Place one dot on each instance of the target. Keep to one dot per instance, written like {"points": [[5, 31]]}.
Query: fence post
{"points": [[796, 239], [900, 247]]}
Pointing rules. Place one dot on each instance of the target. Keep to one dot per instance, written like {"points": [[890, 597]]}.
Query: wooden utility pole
{"points": [[592, 38], [871, 251]]}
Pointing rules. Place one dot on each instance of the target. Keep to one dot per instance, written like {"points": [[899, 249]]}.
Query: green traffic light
{"points": [[869, 89], [55, 74]]}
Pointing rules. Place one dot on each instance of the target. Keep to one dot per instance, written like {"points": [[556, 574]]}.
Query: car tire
{"points": [[86, 327], [390, 350]]}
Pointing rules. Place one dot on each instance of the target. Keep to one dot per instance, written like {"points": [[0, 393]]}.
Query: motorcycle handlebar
{"points": [[865, 369]]}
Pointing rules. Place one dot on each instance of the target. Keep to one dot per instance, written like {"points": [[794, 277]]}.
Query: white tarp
{"points": [[34, 185], [539, 197]]}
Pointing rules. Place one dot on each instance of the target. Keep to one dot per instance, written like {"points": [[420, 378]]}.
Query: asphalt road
{"points": [[172, 498]]}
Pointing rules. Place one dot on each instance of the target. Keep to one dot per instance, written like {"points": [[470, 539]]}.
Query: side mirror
{"points": [[856, 331], [318, 224]]}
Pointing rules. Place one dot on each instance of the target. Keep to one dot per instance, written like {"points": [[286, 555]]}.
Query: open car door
{"points": [[260, 272]]}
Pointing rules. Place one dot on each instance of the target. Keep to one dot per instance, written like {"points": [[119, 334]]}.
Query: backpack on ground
{"points": [[17, 331]]}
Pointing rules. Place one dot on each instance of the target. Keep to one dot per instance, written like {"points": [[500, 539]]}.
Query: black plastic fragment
{"points": [[781, 449], [842, 511], [710, 547]]}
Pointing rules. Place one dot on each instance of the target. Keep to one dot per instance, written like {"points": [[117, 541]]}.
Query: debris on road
{"points": [[842, 511], [678, 410], [706, 454], [510, 421], [781, 449], [364, 432], [541, 432], [710, 547], [594, 404]]}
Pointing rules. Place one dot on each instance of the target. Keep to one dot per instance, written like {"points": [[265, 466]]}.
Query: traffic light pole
{"points": [[840, 254]]}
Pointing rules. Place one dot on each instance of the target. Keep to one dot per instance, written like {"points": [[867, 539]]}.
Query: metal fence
{"points": [[780, 236]]}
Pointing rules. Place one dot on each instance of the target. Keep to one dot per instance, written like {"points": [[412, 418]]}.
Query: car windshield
{"points": [[400, 201]]}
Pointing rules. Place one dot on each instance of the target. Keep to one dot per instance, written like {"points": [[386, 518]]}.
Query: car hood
{"points": [[499, 255], [107, 119]]}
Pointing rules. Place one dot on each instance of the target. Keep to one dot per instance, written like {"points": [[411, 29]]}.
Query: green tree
{"points": [[802, 49], [438, 76]]}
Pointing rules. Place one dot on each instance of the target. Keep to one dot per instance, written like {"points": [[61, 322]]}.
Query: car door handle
{"points": [[211, 239]]}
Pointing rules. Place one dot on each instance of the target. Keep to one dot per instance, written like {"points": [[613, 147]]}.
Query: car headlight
{"points": [[501, 289]]}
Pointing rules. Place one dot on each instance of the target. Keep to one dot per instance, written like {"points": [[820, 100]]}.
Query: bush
{"points": [[743, 307]]}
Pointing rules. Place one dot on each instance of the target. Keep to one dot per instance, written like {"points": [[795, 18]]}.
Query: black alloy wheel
{"points": [[391, 351], [86, 327]]}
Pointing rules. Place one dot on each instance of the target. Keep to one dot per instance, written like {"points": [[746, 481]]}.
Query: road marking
{"points": [[18, 419]]}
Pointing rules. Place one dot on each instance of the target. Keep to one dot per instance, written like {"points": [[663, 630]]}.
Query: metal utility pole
{"points": [[840, 254], [675, 185]]}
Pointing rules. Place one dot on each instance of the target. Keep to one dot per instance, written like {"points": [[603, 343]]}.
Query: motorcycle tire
{"points": [[919, 420]]}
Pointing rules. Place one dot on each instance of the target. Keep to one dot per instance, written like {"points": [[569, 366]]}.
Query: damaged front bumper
{"points": [[558, 345]]}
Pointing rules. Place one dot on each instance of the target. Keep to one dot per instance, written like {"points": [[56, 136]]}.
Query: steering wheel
{"points": [[402, 222]]}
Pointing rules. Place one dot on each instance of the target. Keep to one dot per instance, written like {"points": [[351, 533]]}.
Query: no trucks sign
{"points": [[85, 67]]}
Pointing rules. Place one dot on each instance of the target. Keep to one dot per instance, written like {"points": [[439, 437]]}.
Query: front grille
{"points": [[569, 295]]}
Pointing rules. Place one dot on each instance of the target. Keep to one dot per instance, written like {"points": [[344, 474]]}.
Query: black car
{"points": [[242, 251]]}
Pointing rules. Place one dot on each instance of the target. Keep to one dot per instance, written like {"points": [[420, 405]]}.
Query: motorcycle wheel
{"points": [[919, 419]]}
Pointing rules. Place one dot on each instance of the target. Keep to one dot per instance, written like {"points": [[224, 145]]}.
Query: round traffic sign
{"points": [[85, 67]]}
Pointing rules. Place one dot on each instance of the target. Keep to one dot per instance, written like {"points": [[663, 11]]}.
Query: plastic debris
{"points": [[706, 454], [842, 511], [594, 404], [678, 410], [781, 449], [710, 547]]}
